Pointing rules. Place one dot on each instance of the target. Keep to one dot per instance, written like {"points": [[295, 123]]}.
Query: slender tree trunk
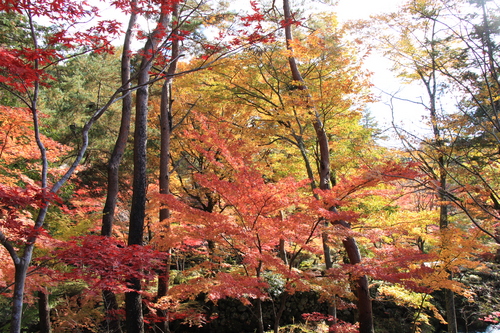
{"points": [[21, 268], [451, 316], [133, 300], [364, 300], [259, 314], [279, 313], [110, 308], [365, 311], [166, 126], [163, 279], [109, 298], [258, 303], [121, 141], [282, 252], [22, 263], [44, 312], [284, 296]]}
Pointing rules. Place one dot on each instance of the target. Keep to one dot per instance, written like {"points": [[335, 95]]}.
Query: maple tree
{"points": [[364, 302], [201, 196], [253, 220]]}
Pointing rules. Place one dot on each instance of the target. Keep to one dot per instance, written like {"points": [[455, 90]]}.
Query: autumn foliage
{"points": [[244, 217]]}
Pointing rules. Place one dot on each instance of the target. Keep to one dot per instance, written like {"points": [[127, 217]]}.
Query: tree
{"points": [[116, 157], [428, 49], [426, 56], [363, 293], [269, 103], [23, 74]]}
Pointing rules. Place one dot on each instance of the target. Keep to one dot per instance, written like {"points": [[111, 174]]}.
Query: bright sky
{"points": [[361, 9], [406, 114]]}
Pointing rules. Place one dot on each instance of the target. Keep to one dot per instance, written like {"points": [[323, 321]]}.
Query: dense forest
{"points": [[214, 166]]}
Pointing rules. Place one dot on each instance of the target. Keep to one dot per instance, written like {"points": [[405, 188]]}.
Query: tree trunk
{"points": [[166, 126], [451, 316], [364, 301], [44, 312], [109, 298], [21, 265], [260, 317], [133, 308], [164, 182], [133, 300], [113, 324], [121, 141], [21, 268], [365, 312]]}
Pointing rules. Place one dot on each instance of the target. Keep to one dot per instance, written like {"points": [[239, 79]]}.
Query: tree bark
{"points": [[133, 299], [259, 315], [20, 279], [166, 125], [133, 308], [451, 315], [44, 312], [365, 312]]}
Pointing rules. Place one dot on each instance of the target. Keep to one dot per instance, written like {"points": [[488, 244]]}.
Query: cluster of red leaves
{"points": [[16, 69], [257, 15], [188, 316], [54, 10], [338, 326], [107, 263], [15, 204], [494, 318], [30, 196], [21, 67], [367, 178], [85, 200], [221, 285], [404, 266]]}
